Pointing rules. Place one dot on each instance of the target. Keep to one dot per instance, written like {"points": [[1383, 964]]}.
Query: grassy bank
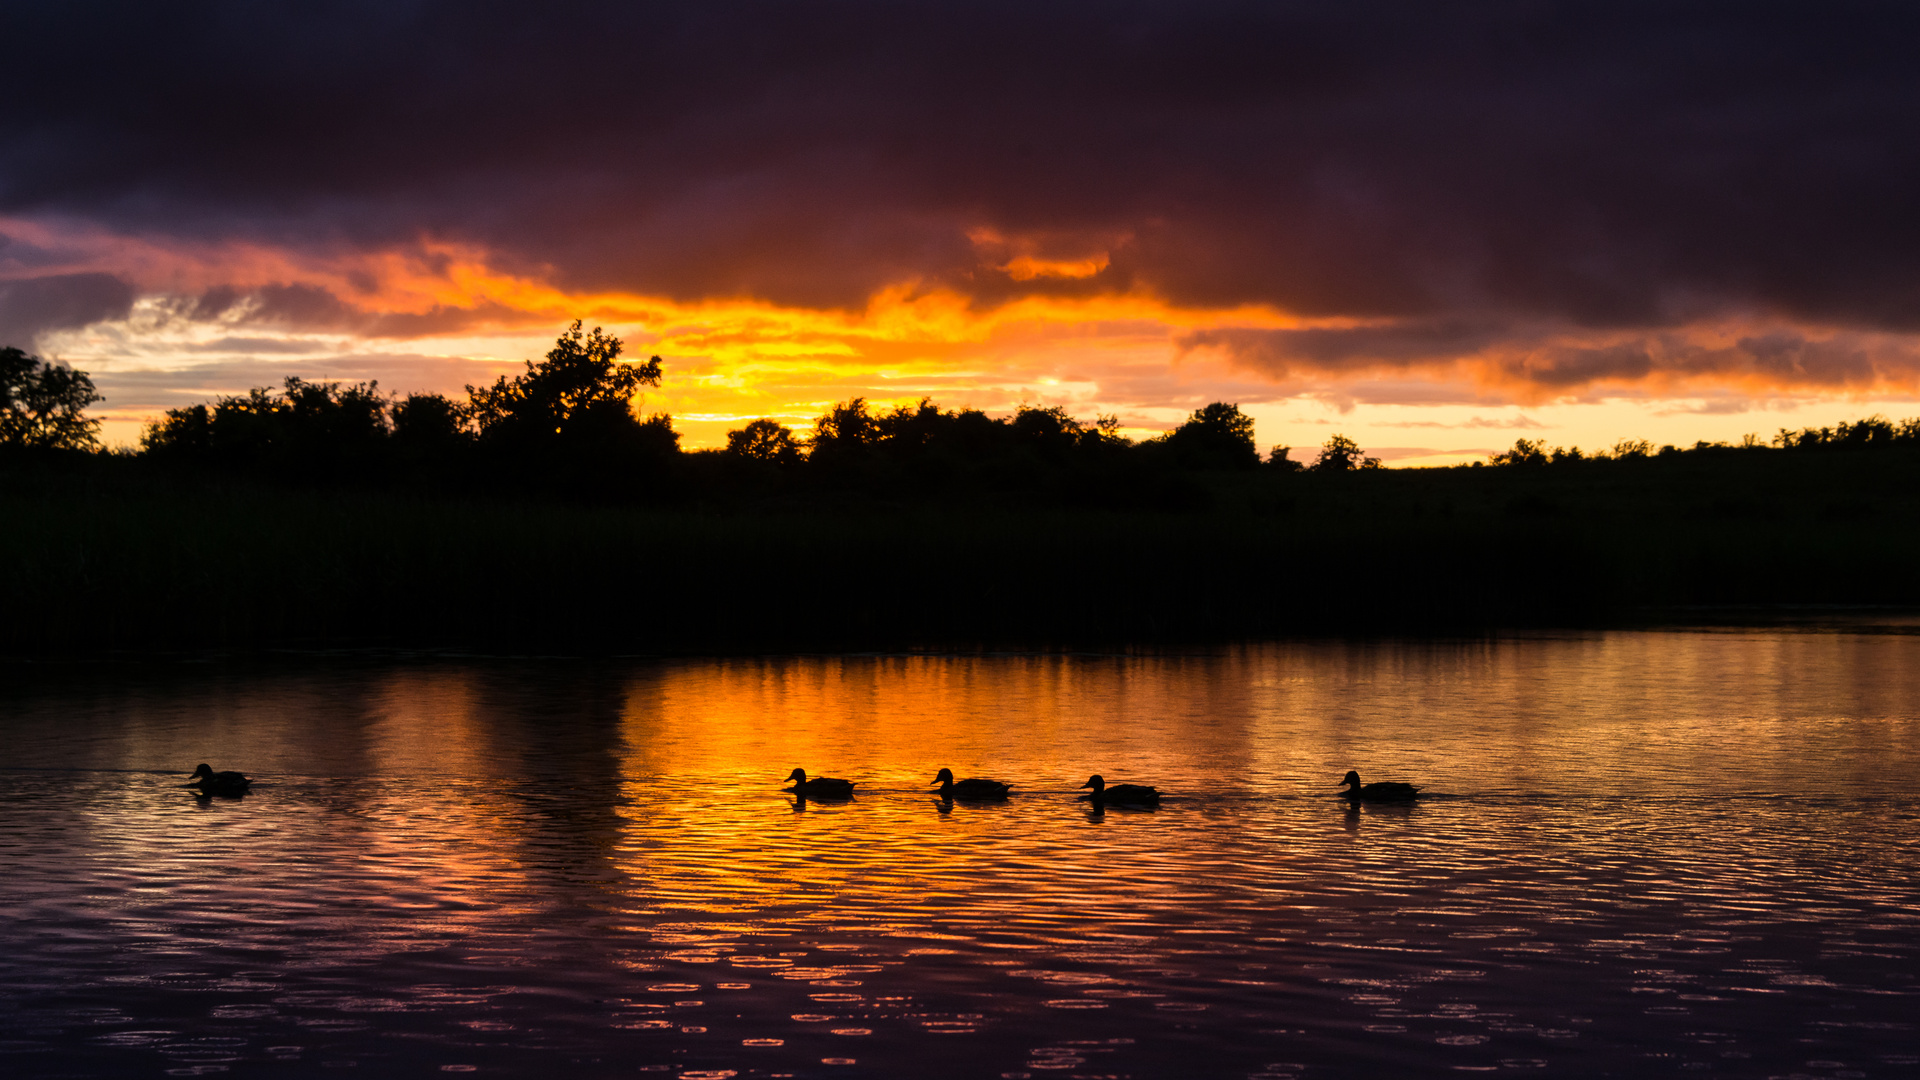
{"points": [[128, 558]]}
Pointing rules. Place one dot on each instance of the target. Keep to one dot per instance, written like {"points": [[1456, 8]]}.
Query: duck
{"points": [[217, 783], [820, 787], [1384, 791], [971, 788], [1121, 794]]}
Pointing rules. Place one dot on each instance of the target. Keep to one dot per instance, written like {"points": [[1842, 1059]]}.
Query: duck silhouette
{"points": [[1121, 794], [1384, 791], [820, 787], [217, 783], [972, 789]]}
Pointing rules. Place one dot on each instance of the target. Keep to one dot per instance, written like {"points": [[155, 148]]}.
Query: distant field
{"points": [[126, 558]]}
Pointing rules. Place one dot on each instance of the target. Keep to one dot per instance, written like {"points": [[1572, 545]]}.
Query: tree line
{"points": [[1872, 433], [568, 425]]}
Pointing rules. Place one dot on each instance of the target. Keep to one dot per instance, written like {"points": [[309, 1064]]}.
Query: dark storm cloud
{"points": [[1600, 164], [32, 306], [1543, 358], [1401, 344]]}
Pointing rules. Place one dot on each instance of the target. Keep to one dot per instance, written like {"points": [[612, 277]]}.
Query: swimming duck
{"points": [[820, 787], [1385, 791], [1121, 794], [217, 783], [971, 788]]}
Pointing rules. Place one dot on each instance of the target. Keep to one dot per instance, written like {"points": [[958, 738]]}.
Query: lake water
{"points": [[1639, 854]]}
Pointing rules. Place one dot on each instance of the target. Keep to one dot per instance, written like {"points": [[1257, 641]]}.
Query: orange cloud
{"points": [[1112, 349]]}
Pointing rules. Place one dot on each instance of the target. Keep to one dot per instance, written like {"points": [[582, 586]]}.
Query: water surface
{"points": [[1641, 853]]}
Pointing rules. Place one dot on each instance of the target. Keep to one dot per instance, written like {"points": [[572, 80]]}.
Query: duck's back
{"points": [[223, 782], [826, 787], [1389, 791], [980, 789]]}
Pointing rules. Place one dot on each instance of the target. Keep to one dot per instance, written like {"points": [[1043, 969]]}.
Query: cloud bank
{"points": [[1548, 199]]}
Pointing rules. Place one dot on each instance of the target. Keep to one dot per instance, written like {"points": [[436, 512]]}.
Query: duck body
{"points": [[218, 783], [972, 789], [820, 787], [1384, 791], [1121, 794]]}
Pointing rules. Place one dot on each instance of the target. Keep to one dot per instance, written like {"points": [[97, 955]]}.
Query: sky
{"points": [[1433, 228]]}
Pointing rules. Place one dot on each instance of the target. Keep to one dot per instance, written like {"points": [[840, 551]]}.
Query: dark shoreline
{"points": [[136, 560]]}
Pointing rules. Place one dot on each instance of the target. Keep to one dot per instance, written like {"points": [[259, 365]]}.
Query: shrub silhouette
{"points": [[844, 436], [1527, 452], [1341, 454], [766, 441], [1277, 459], [431, 422], [304, 428], [1218, 436]]}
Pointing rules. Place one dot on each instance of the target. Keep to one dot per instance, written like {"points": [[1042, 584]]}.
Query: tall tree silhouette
{"points": [[581, 394], [41, 404]]}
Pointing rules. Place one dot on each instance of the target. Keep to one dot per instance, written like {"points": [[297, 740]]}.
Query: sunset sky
{"points": [[1432, 228]]}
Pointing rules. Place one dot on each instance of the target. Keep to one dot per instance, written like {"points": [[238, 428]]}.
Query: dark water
{"points": [[1643, 854]]}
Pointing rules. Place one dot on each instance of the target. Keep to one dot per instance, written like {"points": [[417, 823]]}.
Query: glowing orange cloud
{"points": [[1120, 350]]}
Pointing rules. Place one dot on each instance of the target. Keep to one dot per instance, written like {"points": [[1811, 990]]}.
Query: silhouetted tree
{"points": [[1277, 459], [325, 419], [431, 422], [580, 394], [1218, 436], [764, 440], [305, 427], [1049, 431], [1341, 454], [179, 432], [42, 405], [1524, 452], [1872, 433], [844, 435], [932, 445], [654, 437]]}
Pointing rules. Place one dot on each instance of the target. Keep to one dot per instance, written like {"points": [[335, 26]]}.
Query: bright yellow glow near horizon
{"points": [[730, 361]]}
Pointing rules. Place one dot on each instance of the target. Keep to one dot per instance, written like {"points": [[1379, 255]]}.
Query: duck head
{"points": [[1352, 778], [945, 777], [203, 769], [798, 776], [1098, 785]]}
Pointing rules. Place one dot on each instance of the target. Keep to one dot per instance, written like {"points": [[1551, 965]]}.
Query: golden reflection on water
{"points": [[1699, 821], [1585, 714]]}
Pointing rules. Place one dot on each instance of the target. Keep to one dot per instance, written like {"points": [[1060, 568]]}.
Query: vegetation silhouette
{"points": [[42, 405], [544, 511], [1341, 454], [766, 441]]}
